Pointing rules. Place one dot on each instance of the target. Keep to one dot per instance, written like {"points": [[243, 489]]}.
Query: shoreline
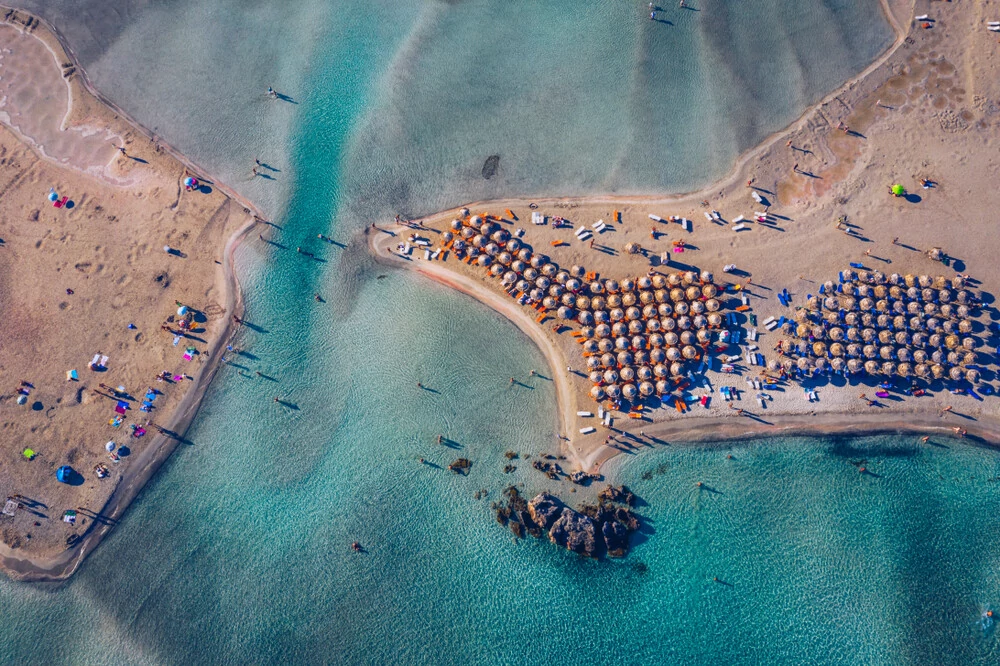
{"points": [[62, 566]]}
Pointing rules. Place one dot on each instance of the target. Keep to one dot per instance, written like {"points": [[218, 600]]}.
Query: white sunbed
{"points": [[537, 218], [94, 361], [600, 226], [716, 215], [587, 414], [655, 218], [756, 197], [427, 255], [740, 227], [437, 253], [739, 218], [586, 235], [587, 430], [708, 216]]}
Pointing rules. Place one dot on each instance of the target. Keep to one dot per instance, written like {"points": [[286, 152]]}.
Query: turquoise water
{"points": [[239, 550]]}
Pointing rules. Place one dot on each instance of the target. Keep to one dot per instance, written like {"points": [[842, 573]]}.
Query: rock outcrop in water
{"points": [[593, 531]]}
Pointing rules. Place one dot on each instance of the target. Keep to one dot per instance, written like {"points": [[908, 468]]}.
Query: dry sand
{"points": [[929, 108], [108, 250]]}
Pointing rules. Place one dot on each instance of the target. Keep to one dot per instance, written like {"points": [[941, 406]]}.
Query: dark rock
{"points": [[615, 538], [461, 466], [627, 518], [575, 532], [620, 494], [517, 529], [525, 518], [490, 166], [544, 509]]}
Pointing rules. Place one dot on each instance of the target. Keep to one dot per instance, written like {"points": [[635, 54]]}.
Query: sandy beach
{"points": [[88, 277], [922, 113]]}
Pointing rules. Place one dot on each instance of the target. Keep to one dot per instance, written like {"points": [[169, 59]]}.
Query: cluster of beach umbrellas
{"points": [[636, 334], [895, 325]]}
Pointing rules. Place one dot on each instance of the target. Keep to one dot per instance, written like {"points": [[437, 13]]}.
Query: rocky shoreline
{"points": [[592, 530]]}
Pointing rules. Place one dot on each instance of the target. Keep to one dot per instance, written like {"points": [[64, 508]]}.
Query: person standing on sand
{"points": [[945, 410]]}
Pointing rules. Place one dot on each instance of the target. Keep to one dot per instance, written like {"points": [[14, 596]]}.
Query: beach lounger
{"points": [[655, 218], [600, 226], [708, 216], [586, 235], [857, 264], [686, 224], [716, 215], [739, 218], [739, 227], [71, 376], [93, 361], [756, 197], [587, 430], [427, 255], [587, 414], [537, 218], [600, 412], [437, 253]]}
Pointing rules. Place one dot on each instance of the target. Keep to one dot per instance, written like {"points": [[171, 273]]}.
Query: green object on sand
{"points": [[29, 454], [898, 190]]}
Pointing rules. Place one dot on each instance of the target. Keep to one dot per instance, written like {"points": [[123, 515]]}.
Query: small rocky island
{"points": [[593, 531]]}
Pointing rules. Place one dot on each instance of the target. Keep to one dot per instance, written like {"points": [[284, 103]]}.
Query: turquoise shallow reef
{"points": [[238, 551]]}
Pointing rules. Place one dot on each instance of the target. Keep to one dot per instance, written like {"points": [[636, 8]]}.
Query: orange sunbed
{"points": [[742, 308], [510, 214]]}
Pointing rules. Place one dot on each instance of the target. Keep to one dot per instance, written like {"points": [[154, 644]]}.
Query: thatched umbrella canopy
{"points": [[836, 334], [585, 318], [896, 293], [820, 364], [851, 319], [957, 282], [646, 388], [968, 343], [681, 308], [920, 356], [786, 328], [605, 345], [644, 282], [854, 349], [773, 365], [954, 358], [802, 348], [831, 303], [597, 393], [636, 326], [919, 339], [836, 349], [969, 358], [865, 276], [955, 373], [951, 341], [657, 355], [899, 307], [904, 369], [677, 294], [672, 339], [832, 318], [712, 305], [928, 296], [804, 363], [885, 336], [628, 298], [495, 269], [819, 349], [655, 340], [882, 305], [854, 365], [962, 312], [602, 330], [684, 323], [902, 338], [937, 371], [870, 351], [853, 334], [848, 302], [864, 290], [868, 320], [676, 369], [627, 373], [787, 364], [701, 322], [662, 387], [886, 352], [632, 248], [972, 375], [548, 302], [921, 370], [689, 277], [661, 296], [963, 297], [868, 334], [674, 279], [880, 291], [924, 281], [692, 293], [697, 307], [659, 281], [916, 323], [689, 352], [882, 321], [965, 326], [899, 322], [871, 367], [801, 316], [837, 364], [709, 291], [596, 376], [947, 311], [628, 284], [632, 313], [903, 354], [673, 354], [665, 309], [687, 338], [938, 356], [616, 314], [608, 360], [888, 368], [660, 370], [812, 303], [653, 325], [866, 304], [715, 320], [912, 294], [613, 391]]}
